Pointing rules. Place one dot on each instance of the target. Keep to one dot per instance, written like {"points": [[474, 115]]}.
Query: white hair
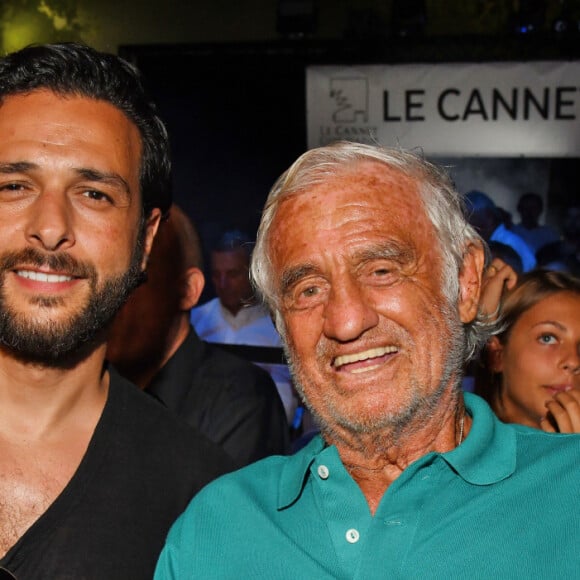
{"points": [[442, 203]]}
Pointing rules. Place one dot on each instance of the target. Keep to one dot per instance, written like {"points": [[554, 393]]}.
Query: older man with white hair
{"points": [[374, 276]]}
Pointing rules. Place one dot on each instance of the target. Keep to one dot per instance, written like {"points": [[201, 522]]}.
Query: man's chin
{"points": [[63, 351], [58, 338]]}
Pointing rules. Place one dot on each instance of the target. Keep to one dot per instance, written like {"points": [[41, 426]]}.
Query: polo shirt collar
{"points": [[296, 470], [487, 456]]}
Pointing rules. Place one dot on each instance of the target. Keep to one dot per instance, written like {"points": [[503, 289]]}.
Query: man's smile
{"points": [[37, 276], [363, 361]]}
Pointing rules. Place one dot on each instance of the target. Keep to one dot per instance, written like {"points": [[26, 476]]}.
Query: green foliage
{"points": [[24, 22]]}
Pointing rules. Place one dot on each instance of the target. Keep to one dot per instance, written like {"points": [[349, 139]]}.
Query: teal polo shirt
{"points": [[504, 504]]}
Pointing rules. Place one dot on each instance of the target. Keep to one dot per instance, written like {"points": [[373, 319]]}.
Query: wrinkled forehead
{"points": [[366, 206], [360, 186]]}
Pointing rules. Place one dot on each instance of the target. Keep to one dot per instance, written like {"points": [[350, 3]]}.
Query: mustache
{"points": [[61, 262]]}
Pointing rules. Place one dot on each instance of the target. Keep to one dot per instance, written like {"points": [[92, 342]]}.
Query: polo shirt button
{"points": [[352, 536], [323, 472]]}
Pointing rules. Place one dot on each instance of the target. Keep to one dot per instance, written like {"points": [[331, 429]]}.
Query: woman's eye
{"points": [[548, 339]]}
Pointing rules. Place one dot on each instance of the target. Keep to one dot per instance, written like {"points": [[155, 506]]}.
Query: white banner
{"points": [[490, 109]]}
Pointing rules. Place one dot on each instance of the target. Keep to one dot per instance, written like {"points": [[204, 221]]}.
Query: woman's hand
{"points": [[496, 279], [563, 413]]}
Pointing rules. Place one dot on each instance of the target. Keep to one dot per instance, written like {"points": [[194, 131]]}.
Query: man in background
{"points": [[234, 317], [530, 207], [489, 221], [152, 343]]}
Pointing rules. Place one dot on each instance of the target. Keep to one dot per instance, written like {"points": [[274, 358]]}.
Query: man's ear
{"points": [[151, 226], [191, 286], [494, 354], [470, 281]]}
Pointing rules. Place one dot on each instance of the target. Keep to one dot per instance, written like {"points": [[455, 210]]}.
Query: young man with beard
{"points": [[374, 278], [93, 471]]}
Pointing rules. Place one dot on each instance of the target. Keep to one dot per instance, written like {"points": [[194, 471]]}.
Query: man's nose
{"points": [[49, 222], [347, 312]]}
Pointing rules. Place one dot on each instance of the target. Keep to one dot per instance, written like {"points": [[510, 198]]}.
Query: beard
{"points": [[61, 343]]}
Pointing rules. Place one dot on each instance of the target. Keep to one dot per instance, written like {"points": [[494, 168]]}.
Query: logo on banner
{"points": [[351, 97], [350, 112]]}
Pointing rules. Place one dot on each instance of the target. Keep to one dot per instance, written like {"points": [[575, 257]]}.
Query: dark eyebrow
{"points": [[18, 167], [113, 179], [293, 275]]}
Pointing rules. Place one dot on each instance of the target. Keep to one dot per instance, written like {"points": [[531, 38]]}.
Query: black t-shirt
{"points": [[230, 400], [140, 470]]}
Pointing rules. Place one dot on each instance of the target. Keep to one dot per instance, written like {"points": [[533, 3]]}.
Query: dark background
{"points": [[237, 119], [236, 111]]}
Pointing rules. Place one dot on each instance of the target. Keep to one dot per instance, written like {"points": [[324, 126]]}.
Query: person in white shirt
{"points": [[234, 317]]}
